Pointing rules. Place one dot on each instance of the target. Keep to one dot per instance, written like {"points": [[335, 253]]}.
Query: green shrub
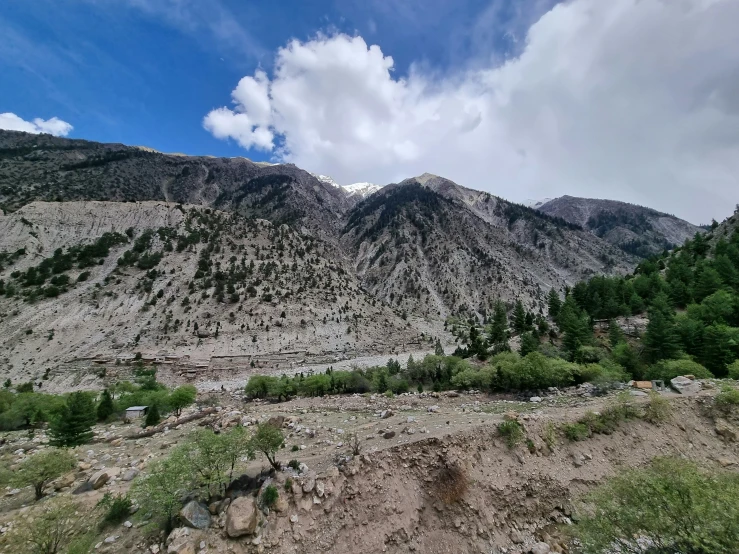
{"points": [[288, 484], [294, 448], [669, 369], [117, 508], [658, 409], [511, 431], [270, 496], [294, 464], [576, 431], [727, 399], [733, 370], [549, 435], [673, 505]]}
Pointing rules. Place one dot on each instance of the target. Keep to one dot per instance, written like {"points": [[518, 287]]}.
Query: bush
{"points": [[152, 416], [734, 370], [117, 508], [294, 464], [669, 369], [673, 506], [268, 439], [576, 431], [727, 399], [270, 496], [658, 409], [512, 431]]}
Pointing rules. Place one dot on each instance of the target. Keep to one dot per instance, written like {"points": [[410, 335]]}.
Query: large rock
{"points": [[99, 478], [195, 515], [725, 430], [241, 518], [683, 385], [540, 548], [179, 541]]}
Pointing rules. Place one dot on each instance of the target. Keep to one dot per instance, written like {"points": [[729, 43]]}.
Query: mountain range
{"points": [[131, 250]]}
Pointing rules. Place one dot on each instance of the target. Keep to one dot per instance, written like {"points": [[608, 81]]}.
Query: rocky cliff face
{"points": [[241, 243], [635, 229]]}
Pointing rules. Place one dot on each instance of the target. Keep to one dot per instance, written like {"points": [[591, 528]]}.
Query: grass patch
{"points": [[658, 409], [512, 431]]}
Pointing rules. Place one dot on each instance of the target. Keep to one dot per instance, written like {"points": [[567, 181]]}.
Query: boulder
{"points": [[686, 386], [241, 517], [276, 421], [64, 481], [99, 478], [725, 430], [195, 515], [388, 435], [180, 542], [130, 475], [83, 488], [540, 548], [386, 414]]}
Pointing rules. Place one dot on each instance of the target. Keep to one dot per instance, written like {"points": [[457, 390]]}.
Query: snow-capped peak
{"points": [[326, 179], [355, 189], [536, 204], [362, 189]]}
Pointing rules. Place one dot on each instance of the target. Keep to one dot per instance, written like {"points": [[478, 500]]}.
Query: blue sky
{"points": [[634, 100], [146, 72]]}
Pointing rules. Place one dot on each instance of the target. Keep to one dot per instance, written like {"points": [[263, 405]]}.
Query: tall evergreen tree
{"points": [[529, 343], [73, 427], [660, 339], [438, 349], [499, 327], [519, 318], [554, 302], [615, 334], [105, 408], [152, 416]]}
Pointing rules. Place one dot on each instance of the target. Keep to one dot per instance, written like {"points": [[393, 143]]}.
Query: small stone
{"points": [[388, 435], [127, 524], [111, 539], [535, 399], [540, 548]]}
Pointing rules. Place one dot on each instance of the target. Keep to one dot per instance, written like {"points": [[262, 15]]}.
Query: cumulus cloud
{"points": [[636, 100], [54, 126]]}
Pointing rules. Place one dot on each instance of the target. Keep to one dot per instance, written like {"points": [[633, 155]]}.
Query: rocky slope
{"points": [[404, 257], [635, 229], [181, 280], [429, 244]]}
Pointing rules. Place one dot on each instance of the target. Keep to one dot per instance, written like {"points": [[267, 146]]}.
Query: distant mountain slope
{"points": [[178, 279], [42, 167], [635, 229], [431, 246], [426, 246]]}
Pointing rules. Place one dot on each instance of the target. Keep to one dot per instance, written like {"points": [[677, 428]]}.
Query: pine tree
{"points": [[529, 343], [615, 334], [74, 424], [152, 416], [105, 408], [519, 318], [499, 327], [555, 304], [660, 339], [438, 349]]}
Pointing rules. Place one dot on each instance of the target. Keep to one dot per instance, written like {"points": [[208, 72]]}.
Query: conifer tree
{"points": [[499, 327], [105, 408], [519, 318], [73, 427], [555, 304], [615, 334], [152, 416]]}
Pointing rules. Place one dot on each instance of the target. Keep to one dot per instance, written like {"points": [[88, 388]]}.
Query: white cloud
{"points": [[630, 99], [54, 126]]}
